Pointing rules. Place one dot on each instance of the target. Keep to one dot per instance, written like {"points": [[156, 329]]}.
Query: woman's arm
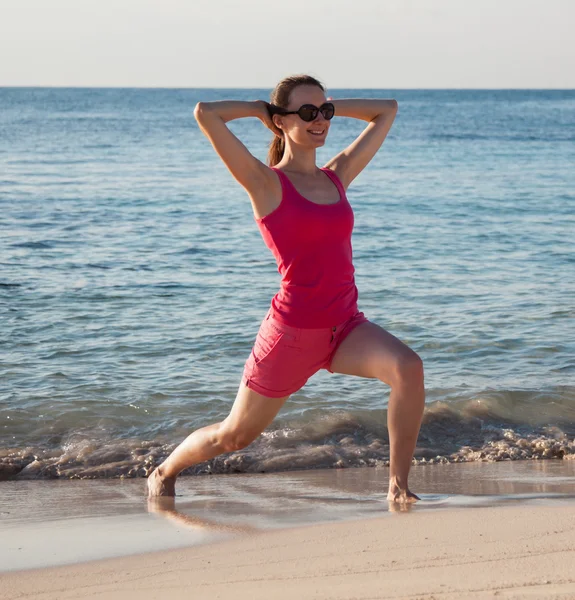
{"points": [[212, 118], [380, 114]]}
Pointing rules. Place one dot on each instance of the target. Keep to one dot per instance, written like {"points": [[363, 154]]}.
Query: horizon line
{"points": [[205, 87]]}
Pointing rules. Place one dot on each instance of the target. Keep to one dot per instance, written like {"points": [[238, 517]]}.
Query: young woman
{"points": [[313, 322]]}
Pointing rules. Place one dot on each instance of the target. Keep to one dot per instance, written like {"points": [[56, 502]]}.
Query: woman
{"points": [[313, 323]]}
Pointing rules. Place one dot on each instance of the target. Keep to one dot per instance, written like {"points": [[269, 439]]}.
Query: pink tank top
{"points": [[312, 246]]}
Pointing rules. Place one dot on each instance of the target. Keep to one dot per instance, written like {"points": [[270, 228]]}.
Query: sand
{"points": [[501, 552], [493, 552]]}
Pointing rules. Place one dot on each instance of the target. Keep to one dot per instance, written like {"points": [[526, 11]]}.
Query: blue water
{"points": [[133, 281]]}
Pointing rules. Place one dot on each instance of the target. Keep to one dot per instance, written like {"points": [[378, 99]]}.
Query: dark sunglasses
{"points": [[308, 112]]}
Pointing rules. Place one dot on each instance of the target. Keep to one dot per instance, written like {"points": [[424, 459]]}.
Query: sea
{"points": [[133, 281]]}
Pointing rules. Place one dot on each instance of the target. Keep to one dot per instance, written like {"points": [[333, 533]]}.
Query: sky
{"points": [[388, 44]]}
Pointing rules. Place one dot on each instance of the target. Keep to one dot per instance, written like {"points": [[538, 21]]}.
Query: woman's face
{"points": [[310, 134]]}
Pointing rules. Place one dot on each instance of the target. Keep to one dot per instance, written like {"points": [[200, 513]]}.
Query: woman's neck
{"points": [[302, 160]]}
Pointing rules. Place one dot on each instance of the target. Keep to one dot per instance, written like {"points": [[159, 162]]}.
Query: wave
{"points": [[493, 427], [34, 245]]}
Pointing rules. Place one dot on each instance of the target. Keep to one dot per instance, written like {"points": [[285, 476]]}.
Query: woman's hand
{"points": [[266, 118]]}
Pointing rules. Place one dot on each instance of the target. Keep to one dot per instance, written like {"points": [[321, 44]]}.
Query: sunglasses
{"points": [[308, 112]]}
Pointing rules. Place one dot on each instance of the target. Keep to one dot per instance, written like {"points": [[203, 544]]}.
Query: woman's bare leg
{"points": [[370, 351], [251, 413]]}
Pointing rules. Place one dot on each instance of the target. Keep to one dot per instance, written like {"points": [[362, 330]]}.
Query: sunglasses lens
{"points": [[308, 112], [327, 110]]}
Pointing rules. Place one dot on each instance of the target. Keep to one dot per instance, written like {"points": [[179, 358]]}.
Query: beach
{"points": [[133, 284], [481, 530]]}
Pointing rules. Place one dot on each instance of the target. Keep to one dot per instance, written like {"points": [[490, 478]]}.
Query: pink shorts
{"points": [[283, 358]]}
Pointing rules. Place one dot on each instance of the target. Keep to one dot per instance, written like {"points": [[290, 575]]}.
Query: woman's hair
{"points": [[280, 97]]}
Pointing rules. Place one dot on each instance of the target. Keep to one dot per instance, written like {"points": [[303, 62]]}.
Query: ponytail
{"points": [[276, 151]]}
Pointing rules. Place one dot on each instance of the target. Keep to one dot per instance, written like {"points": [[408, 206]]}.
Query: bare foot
{"points": [[160, 486], [400, 495]]}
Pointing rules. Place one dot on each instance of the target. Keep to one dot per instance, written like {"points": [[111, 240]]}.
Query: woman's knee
{"points": [[230, 439], [407, 370]]}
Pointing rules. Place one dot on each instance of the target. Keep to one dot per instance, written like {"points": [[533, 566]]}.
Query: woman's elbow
{"points": [[200, 110]]}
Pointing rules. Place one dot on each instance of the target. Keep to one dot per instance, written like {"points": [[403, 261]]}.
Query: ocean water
{"points": [[133, 281]]}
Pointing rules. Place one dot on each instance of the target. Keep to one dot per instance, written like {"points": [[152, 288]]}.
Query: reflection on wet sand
{"points": [[250, 503], [166, 507]]}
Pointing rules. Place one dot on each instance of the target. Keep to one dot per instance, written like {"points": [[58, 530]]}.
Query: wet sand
{"points": [[481, 530]]}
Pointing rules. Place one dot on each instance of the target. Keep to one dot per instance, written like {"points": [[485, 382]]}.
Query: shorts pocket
{"points": [[266, 341], [290, 333]]}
